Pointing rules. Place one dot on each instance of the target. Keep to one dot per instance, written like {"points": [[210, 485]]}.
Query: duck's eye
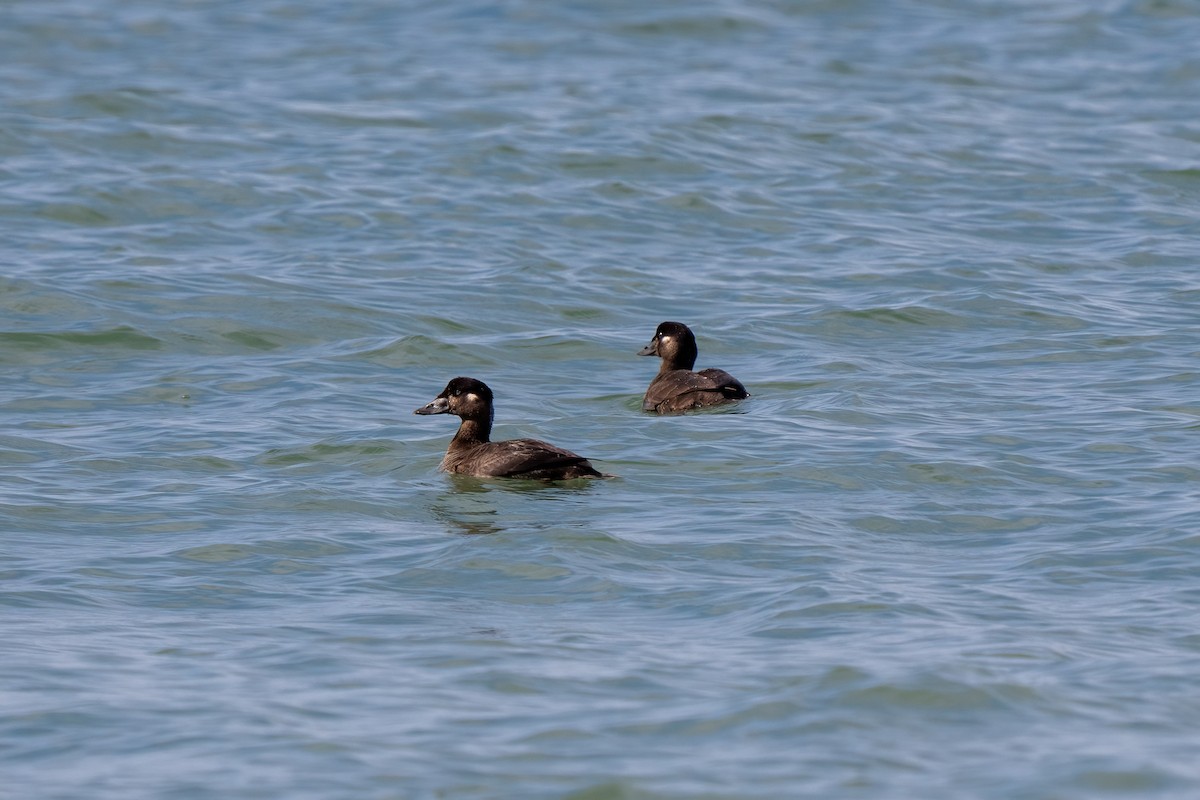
{"points": [[457, 392]]}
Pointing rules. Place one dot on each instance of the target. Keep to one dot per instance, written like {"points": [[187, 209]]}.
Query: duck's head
{"points": [[674, 343], [463, 397]]}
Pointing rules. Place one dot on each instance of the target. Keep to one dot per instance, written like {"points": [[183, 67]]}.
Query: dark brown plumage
{"points": [[676, 387], [472, 453]]}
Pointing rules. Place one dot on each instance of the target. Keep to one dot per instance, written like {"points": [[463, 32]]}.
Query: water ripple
{"points": [[949, 250]]}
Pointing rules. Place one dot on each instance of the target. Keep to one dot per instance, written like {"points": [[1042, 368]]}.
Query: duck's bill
{"points": [[439, 406]]}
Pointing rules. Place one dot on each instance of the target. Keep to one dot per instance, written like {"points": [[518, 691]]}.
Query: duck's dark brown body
{"points": [[516, 458], [676, 388], [472, 453]]}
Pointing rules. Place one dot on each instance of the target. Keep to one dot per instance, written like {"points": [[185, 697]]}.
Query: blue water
{"points": [[948, 549]]}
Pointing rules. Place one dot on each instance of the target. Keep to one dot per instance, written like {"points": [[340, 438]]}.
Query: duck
{"points": [[676, 388], [472, 452]]}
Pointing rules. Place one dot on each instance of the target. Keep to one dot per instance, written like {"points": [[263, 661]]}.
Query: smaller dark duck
{"points": [[676, 387], [472, 453]]}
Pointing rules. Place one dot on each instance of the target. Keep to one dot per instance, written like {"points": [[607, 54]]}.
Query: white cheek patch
{"points": [[472, 396]]}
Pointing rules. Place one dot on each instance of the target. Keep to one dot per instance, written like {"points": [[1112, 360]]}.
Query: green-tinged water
{"points": [[949, 549]]}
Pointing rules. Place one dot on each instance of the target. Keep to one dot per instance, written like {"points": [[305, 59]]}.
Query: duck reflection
{"points": [[472, 506]]}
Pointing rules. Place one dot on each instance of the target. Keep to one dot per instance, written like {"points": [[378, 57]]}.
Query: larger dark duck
{"points": [[676, 387], [472, 453]]}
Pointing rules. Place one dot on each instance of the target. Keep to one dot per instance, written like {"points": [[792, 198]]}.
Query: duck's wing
{"points": [[533, 458], [725, 383], [667, 387], [683, 389]]}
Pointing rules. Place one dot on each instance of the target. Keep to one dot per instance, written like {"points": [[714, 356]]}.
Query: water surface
{"points": [[947, 550]]}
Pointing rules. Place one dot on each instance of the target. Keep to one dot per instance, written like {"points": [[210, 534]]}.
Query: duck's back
{"points": [[519, 458], [684, 390]]}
